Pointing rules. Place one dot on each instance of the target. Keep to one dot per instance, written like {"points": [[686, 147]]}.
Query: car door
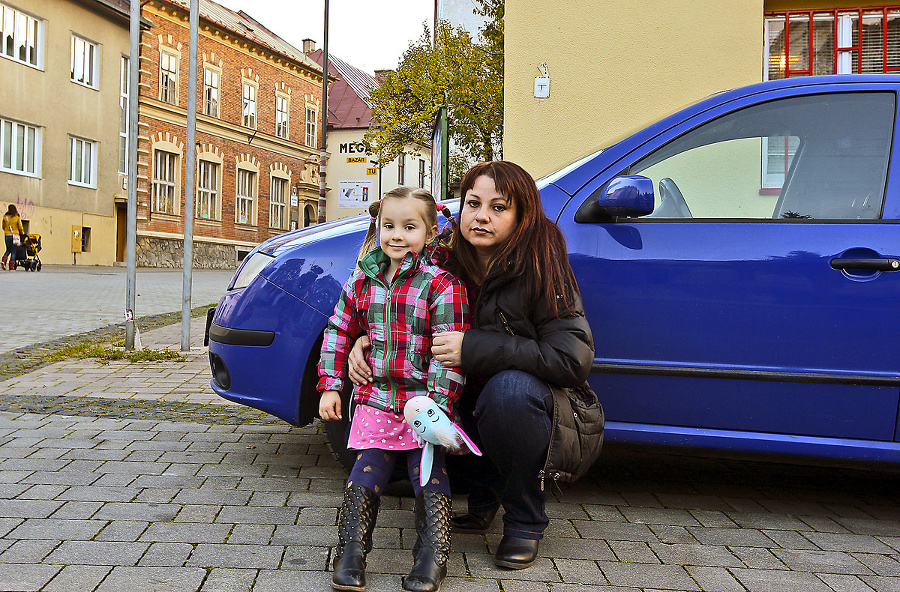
{"points": [[740, 305]]}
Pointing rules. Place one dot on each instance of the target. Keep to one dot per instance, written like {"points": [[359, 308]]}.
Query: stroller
{"points": [[27, 254]]}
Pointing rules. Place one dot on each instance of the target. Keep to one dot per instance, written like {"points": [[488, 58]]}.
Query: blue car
{"points": [[739, 263]]}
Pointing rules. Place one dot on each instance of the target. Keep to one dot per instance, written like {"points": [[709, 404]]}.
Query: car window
{"points": [[811, 157]]}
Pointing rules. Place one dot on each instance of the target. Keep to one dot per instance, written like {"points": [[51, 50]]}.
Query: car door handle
{"points": [[878, 264]]}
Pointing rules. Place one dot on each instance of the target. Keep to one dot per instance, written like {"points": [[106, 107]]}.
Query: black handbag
{"points": [[576, 435]]}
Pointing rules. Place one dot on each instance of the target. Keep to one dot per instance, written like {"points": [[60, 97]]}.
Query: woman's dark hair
{"points": [[535, 251], [12, 211]]}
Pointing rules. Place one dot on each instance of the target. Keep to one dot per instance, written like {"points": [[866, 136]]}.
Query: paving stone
{"points": [[153, 579], [97, 553], [695, 554], [26, 576], [641, 575], [166, 555], [849, 542], [761, 580], [229, 580], [240, 556], [820, 561], [845, 583], [186, 532], [714, 578], [744, 537], [55, 529], [78, 578]]}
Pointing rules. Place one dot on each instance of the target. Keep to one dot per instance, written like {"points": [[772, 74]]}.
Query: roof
{"points": [[348, 95], [244, 25]]}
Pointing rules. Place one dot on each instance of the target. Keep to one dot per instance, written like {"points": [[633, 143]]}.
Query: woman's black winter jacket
{"points": [[558, 349]]}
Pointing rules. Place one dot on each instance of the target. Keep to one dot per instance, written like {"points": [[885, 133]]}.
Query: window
{"points": [[401, 169], [82, 162], [802, 43], [83, 63], [20, 148], [249, 106], [281, 116], [207, 190], [834, 148], [164, 170], [311, 127], [168, 77], [211, 92], [854, 41], [246, 196], [277, 204], [421, 173], [22, 39], [123, 115]]}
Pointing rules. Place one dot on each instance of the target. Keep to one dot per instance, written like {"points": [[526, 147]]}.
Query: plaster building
{"points": [[356, 178], [63, 64], [257, 135], [613, 67]]}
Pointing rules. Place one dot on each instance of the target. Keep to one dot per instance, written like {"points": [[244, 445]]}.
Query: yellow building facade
{"points": [[62, 63], [581, 74]]}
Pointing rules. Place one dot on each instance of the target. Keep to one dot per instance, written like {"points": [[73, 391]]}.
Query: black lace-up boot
{"points": [[356, 521], [432, 548]]}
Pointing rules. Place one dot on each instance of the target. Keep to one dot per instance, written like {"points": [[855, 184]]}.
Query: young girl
{"points": [[400, 300]]}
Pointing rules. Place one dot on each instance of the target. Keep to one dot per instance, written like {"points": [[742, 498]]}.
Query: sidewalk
{"points": [[126, 477]]}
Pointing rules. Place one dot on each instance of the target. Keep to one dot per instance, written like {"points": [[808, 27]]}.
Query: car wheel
{"points": [[337, 431]]}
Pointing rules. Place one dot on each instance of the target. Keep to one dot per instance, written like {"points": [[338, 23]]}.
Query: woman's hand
{"points": [[359, 371], [446, 348], [330, 405]]}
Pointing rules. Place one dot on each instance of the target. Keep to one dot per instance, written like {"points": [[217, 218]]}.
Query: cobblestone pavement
{"points": [[134, 477], [62, 300]]}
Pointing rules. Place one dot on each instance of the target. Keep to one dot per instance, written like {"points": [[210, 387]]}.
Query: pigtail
{"points": [[370, 241]]}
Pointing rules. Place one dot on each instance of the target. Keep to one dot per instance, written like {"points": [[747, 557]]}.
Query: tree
{"points": [[466, 74]]}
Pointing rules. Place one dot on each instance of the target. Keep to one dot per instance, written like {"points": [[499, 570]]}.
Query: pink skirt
{"points": [[384, 430]]}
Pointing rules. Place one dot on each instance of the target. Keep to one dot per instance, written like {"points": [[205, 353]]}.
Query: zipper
{"points": [[505, 323], [553, 475]]}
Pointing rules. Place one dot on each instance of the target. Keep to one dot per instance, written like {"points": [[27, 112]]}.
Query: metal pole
{"points": [[191, 164], [323, 121], [131, 222]]}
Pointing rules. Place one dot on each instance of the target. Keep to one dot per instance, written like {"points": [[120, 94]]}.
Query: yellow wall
{"points": [[55, 227], [48, 99], [615, 66]]}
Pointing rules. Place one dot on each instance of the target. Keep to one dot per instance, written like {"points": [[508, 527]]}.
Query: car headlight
{"points": [[250, 269]]}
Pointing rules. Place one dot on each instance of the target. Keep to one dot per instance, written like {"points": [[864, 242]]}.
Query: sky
{"points": [[368, 34]]}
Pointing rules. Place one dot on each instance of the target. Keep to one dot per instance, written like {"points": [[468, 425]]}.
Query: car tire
{"points": [[337, 431]]}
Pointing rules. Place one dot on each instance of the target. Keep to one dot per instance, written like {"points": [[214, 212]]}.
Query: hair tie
{"points": [[372, 219], [446, 212]]}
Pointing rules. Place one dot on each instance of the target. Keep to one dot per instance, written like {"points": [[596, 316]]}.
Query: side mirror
{"points": [[626, 196]]}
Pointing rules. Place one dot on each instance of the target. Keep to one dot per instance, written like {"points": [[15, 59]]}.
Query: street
{"points": [[136, 477]]}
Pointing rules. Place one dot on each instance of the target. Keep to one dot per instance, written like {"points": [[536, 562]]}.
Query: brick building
{"points": [[257, 135]]}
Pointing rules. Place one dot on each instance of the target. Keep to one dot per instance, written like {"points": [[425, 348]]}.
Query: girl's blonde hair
{"points": [[401, 192]]}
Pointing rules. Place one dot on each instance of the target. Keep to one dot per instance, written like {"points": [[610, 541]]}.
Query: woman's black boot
{"points": [[474, 521], [432, 548], [356, 521]]}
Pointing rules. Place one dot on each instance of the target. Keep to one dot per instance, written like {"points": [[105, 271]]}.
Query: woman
{"points": [[12, 226], [529, 351]]}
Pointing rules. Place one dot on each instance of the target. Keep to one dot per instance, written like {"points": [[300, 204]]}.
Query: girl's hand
{"points": [[359, 371], [330, 405], [447, 348]]}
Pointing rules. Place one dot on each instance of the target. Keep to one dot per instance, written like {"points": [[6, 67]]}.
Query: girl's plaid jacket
{"points": [[400, 317]]}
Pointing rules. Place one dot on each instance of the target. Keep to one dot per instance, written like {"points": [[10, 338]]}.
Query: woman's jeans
{"points": [[511, 424], [10, 247]]}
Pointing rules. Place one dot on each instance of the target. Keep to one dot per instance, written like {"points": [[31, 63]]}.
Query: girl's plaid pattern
{"points": [[400, 317]]}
